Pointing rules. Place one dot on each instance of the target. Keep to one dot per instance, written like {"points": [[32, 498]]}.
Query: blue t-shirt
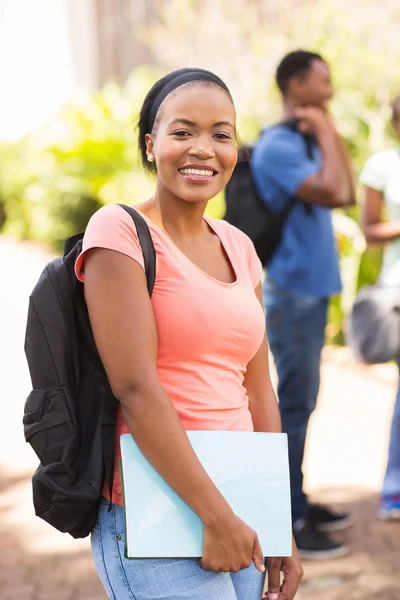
{"points": [[306, 260]]}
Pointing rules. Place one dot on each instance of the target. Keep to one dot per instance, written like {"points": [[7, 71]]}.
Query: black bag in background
{"points": [[247, 211], [373, 326], [69, 416]]}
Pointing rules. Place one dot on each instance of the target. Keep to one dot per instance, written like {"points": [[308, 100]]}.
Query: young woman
{"points": [[381, 177], [194, 356]]}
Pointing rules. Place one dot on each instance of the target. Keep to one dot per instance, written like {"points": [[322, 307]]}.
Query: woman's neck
{"points": [[177, 217]]}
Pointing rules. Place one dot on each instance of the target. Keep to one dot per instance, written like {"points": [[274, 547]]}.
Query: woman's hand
{"points": [[230, 545], [292, 575]]}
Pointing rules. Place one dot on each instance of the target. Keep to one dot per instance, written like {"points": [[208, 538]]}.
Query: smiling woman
{"points": [[183, 133], [194, 141], [194, 355]]}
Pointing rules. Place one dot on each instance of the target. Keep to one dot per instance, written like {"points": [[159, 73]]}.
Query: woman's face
{"points": [[194, 143]]}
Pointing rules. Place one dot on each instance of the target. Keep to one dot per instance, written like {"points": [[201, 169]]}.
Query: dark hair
{"points": [[396, 110], [155, 91], [296, 63]]}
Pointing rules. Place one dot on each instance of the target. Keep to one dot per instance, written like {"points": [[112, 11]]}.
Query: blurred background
{"points": [[73, 76]]}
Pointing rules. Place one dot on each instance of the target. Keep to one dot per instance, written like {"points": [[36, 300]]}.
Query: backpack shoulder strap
{"points": [[146, 242], [108, 420], [308, 139]]}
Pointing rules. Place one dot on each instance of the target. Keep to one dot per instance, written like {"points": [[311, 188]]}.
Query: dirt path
{"points": [[344, 465]]}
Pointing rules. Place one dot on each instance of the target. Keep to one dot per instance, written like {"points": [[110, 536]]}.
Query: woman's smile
{"points": [[198, 174]]}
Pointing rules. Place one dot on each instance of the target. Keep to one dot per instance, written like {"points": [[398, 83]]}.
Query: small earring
{"points": [[150, 157]]}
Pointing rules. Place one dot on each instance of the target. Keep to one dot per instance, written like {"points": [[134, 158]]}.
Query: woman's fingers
{"points": [[293, 574], [274, 578], [289, 588], [258, 557]]}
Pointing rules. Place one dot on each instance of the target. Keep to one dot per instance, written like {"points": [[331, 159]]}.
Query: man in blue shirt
{"points": [[304, 270]]}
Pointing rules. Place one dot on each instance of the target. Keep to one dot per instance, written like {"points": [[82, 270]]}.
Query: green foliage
{"points": [[54, 179]]}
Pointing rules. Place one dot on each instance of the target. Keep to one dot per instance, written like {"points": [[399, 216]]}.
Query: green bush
{"points": [[52, 181]]}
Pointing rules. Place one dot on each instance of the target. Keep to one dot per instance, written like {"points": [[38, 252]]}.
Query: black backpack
{"points": [[247, 210], [69, 415]]}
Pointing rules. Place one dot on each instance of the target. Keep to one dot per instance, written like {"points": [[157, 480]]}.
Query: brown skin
{"points": [[375, 230], [115, 285], [307, 99], [262, 402]]}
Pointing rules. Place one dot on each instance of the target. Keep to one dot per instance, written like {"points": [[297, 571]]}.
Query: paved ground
{"points": [[344, 465]]}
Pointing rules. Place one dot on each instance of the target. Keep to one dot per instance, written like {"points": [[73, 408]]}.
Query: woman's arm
{"points": [[265, 414], [348, 174], [375, 230], [262, 400], [125, 332]]}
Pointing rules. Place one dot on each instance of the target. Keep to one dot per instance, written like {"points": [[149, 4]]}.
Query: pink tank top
{"points": [[208, 330]]}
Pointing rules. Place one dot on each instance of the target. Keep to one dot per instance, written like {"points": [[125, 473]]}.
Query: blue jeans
{"points": [[296, 334], [391, 483], [161, 579]]}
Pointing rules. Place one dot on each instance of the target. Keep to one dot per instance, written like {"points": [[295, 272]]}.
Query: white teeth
{"points": [[203, 172]]}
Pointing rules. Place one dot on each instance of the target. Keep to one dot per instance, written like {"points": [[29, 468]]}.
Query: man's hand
{"points": [[292, 575], [337, 173], [313, 120]]}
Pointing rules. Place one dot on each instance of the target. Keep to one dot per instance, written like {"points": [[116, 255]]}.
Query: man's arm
{"points": [[333, 185]]}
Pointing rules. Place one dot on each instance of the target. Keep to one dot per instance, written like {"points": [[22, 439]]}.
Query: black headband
{"points": [[183, 76]]}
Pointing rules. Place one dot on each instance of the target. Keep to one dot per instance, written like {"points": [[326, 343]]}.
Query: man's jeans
{"points": [[296, 334], [391, 484]]}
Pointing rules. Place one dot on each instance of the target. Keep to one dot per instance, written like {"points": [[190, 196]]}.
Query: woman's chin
{"points": [[201, 193], [196, 196]]}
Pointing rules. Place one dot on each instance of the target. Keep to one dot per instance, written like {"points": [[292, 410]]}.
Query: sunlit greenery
{"points": [[54, 179]]}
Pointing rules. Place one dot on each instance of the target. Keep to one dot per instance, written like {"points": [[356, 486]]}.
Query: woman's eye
{"points": [[181, 133], [222, 136]]}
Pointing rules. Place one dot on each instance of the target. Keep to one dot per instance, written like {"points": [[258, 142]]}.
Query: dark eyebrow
{"points": [[221, 123], [192, 124], [184, 121]]}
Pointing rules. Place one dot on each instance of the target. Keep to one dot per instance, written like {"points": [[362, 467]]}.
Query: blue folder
{"points": [[251, 471]]}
